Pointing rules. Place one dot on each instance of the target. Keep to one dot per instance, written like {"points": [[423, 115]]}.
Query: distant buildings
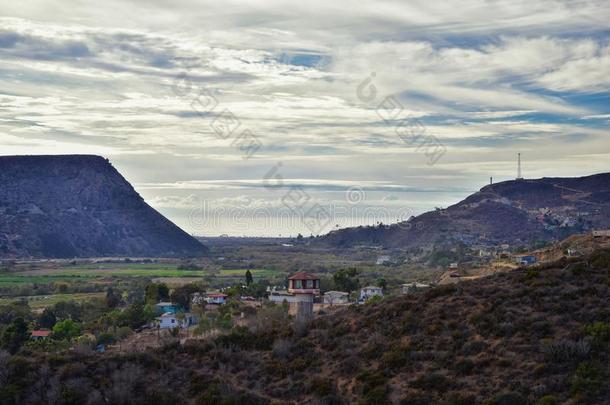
{"points": [[216, 298], [40, 334], [336, 297], [370, 292], [170, 320], [281, 296], [383, 260], [304, 287], [166, 307], [601, 233], [525, 260]]}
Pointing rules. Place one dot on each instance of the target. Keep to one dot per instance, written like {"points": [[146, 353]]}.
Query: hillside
{"points": [[529, 336], [514, 212], [80, 206]]}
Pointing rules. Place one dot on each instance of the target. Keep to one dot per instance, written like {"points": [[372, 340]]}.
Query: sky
{"points": [[272, 117]]}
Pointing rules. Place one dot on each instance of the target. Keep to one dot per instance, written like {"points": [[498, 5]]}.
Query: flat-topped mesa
{"points": [[80, 206]]}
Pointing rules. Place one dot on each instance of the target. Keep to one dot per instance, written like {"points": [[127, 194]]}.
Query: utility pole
{"points": [[519, 176]]}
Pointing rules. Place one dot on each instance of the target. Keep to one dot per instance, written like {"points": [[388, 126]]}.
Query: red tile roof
{"points": [[41, 333], [216, 295], [301, 275]]}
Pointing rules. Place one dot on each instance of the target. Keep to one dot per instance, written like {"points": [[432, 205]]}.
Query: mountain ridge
{"points": [[513, 212]]}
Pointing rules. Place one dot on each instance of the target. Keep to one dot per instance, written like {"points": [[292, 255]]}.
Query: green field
{"points": [[42, 301], [91, 272]]}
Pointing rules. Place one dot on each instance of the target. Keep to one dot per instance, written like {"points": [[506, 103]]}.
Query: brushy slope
{"points": [[535, 336]]}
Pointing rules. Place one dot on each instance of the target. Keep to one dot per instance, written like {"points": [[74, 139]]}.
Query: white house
{"points": [[171, 320], [216, 298], [383, 260], [414, 287], [336, 297], [281, 296], [369, 292]]}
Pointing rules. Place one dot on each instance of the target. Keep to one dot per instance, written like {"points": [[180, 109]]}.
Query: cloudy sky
{"points": [[267, 117]]}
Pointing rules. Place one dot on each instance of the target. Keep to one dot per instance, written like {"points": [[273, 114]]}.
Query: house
{"points": [[304, 283], [453, 266], [336, 297], [382, 260], [281, 296], [164, 307], [216, 298], [40, 334], [171, 320], [410, 288], [370, 292], [601, 233], [525, 260]]}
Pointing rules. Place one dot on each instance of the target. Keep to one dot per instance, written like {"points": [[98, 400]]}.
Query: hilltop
{"points": [[80, 206], [519, 213]]}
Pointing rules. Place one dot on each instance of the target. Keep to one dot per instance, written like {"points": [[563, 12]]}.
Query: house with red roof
{"points": [[40, 334]]}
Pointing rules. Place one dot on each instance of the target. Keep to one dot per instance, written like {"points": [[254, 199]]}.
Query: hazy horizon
{"points": [[346, 114]]}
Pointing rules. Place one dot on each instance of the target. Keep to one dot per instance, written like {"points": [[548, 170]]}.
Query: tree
{"points": [[66, 329], [47, 319], [113, 299], [249, 278], [182, 295], [15, 335], [346, 280], [156, 292], [381, 282]]}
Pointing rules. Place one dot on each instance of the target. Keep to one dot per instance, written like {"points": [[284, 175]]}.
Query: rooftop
{"points": [[301, 275], [41, 333]]}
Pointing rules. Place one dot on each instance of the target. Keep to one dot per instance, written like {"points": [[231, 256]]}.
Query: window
{"points": [[173, 321], [309, 283], [298, 284]]}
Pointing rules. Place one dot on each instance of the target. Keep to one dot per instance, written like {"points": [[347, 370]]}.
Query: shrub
{"points": [[321, 386], [547, 400], [599, 332], [433, 382], [566, 350], [588, 379], [600, 260], [508, 398]]}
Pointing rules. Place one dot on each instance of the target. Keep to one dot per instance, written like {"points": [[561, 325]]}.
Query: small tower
{"points": [[519, 176], [304, 286]]}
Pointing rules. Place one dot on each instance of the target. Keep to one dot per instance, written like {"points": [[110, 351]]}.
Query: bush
{"points": [[588, 379], [600, 260], [599, 332], [508, 398], [566, 350], [432, 382], [547, 400]]}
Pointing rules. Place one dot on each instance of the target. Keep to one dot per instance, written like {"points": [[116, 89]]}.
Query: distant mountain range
{"points": [[519, 212], [80, 206]]}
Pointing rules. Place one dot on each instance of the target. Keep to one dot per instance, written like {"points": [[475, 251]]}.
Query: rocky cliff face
{"points": [[80, 206], [513, 212]]}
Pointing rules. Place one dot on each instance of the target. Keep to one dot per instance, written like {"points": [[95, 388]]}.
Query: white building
{"points": [[383, 260], [336, 297], [216, 298], [369, 292], [281, 296], [170, 320]]}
